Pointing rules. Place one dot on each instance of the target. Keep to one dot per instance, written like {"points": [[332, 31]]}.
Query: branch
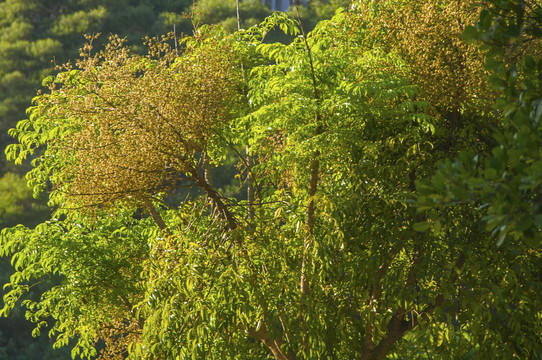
{"points": [[440, 298], [274, 345], [216, 198], [156, 216], [314, 166], [374, 295], [313, 185], [246, 162], [398, 326]]}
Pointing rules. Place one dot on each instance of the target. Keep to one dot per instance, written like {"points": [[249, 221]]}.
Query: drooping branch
{"points": [[374, 295], [439, 300], [394, 332]]}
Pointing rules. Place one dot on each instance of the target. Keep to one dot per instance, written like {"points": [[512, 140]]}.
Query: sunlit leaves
{"points": [[129, 125], [94, 260], [341, 129]]}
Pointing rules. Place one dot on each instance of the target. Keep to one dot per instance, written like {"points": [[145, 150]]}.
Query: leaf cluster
{"points": [[126, 126]]}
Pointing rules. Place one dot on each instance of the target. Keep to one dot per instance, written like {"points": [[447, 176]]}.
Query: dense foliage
{"points": [[363, 239], [37, 35]]}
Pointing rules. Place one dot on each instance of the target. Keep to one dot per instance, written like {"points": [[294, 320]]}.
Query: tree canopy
{"points": [[371, 232], [36, 36]]}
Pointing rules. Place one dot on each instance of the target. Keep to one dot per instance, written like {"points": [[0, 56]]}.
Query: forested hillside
{"points": [[273, 186]]}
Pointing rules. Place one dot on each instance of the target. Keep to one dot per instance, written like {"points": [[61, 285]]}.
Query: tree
{"points": [[36, 35], [335, 261], [499, 183], [184, 103], [504, 180]]}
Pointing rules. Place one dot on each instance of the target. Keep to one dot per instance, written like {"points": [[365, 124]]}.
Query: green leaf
{"points": [[470, 34], [421, 226], [529, 64], [486, 18]]}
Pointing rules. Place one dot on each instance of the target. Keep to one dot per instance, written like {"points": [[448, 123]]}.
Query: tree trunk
{"points": [[396, 329]]}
